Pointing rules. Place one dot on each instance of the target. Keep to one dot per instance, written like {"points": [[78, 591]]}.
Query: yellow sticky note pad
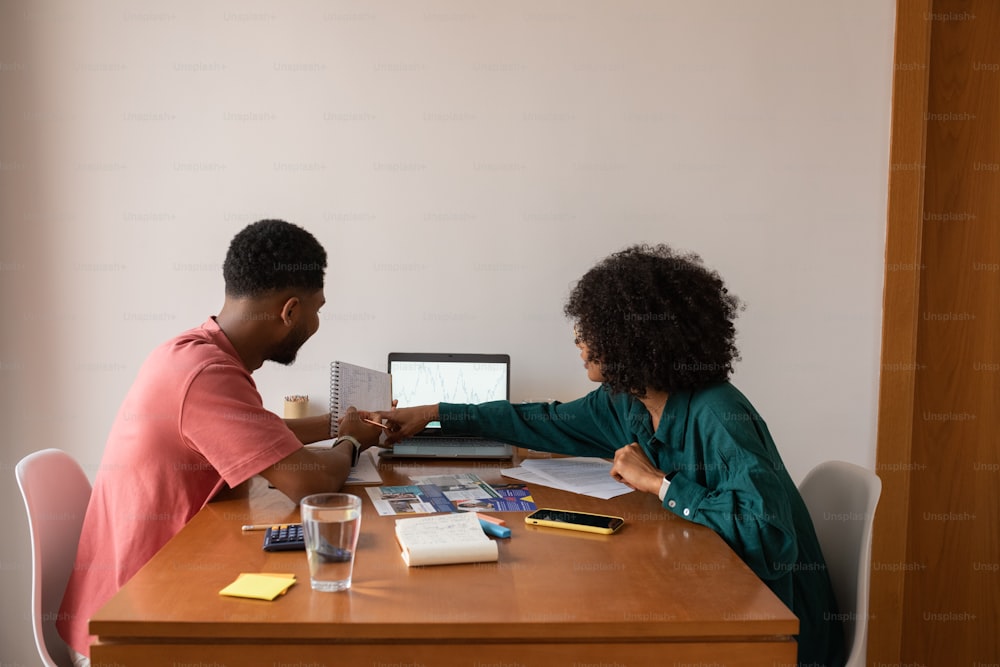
{"points": [[260, 585]]}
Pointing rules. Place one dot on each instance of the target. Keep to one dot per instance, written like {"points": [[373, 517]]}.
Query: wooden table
{"points": [[662, 591]]}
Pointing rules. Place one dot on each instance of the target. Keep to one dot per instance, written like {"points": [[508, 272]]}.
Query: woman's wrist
{"points": [[664, 484]]}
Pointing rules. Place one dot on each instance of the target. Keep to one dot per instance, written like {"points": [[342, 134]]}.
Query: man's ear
{"points": [[290, 311]]}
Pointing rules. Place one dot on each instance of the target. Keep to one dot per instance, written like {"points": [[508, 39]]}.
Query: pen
{"points": [[375, 423], [249, 527]]}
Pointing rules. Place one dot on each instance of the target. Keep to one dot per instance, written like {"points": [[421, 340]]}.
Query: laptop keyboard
{"points": [[450, 442], [453, 448]]}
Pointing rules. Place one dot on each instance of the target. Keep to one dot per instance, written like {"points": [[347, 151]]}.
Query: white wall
{"points": [[463, 163]]}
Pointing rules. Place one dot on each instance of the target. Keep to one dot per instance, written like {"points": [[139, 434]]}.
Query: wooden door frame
{"points": [[901, 306]]}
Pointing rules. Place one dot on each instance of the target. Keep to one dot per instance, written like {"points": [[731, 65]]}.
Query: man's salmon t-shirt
{"points": [[192, 421]]}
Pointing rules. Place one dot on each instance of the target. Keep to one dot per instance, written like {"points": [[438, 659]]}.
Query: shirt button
{"points": [[671, 503], [687, 512]]}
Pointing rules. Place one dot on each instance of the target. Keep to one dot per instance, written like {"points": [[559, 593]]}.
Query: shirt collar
{"points": [[215, 332], [672, 421]]}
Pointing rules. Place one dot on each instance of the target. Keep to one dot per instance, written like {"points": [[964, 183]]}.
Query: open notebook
{"points": [[421, 378]]}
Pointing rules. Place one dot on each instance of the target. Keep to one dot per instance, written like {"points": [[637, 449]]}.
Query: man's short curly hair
{"points": [[272, 255], [656, 319]]}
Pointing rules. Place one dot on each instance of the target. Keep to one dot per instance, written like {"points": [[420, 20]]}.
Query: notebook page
{"points": [[358, 387]]}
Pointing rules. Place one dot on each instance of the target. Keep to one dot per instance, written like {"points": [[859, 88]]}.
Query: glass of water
{"points": [[331, 523]]}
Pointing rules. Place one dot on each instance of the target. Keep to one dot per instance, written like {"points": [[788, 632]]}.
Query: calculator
{"points": [[284, 537]]}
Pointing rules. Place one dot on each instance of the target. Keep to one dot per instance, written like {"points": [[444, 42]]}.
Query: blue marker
{"points": [[493, 529]]}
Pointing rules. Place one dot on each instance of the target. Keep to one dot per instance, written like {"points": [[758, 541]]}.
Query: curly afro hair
{"points": [[272, 255], [656, 319]]}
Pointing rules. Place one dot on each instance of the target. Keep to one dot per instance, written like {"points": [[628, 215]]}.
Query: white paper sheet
{"points": [[587, 476]]}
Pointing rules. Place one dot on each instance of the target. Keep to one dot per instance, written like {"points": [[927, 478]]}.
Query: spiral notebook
{"points": [[358, 387]]}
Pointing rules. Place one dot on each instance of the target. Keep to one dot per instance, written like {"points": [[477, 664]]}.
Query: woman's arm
{"points": [[588, 426]]}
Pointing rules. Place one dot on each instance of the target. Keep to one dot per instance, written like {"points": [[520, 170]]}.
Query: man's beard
{"points": [[286, 350]]}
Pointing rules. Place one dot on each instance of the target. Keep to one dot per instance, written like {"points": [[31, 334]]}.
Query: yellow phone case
{"points": [[617, 521]]}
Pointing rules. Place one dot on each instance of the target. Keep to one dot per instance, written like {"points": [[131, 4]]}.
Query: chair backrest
{"points": [[56, 492], [841, 498]]}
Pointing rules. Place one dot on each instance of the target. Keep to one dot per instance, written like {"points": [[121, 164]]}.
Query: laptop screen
{"points": [[422, 378]]}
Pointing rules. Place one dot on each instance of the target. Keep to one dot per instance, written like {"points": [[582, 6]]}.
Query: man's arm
{"points": [[306, 471], [309, 470], [313, 429], [310, 429]]}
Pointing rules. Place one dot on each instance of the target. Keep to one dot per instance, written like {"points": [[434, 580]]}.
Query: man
{"points": [[193, 421]]}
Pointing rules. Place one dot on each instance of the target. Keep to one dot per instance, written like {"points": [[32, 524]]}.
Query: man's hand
{"points": [[633, 468], [354, 425]]}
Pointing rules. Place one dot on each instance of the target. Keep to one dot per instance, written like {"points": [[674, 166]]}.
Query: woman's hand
{"points": [[633, 468], [405, 422]]}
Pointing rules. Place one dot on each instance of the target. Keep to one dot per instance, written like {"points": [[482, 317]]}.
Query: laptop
{"points": [[421, 378]]}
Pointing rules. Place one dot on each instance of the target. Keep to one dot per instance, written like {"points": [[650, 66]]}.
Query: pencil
{"points": [[249, 527], [379, 424]]}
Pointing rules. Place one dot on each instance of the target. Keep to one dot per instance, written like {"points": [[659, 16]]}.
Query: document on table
{"points": [[589, 476], [450, 493], [468, 493], [365, 471]]}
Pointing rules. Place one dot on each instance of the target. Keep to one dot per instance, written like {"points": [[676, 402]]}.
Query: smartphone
{"points": [[590, 523]]}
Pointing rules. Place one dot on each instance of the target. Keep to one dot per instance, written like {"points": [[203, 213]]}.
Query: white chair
{"points": [[56, 492], [841, 498]]}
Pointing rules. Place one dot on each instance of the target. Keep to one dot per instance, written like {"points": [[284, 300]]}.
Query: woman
{"points": [[655, 329]]}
